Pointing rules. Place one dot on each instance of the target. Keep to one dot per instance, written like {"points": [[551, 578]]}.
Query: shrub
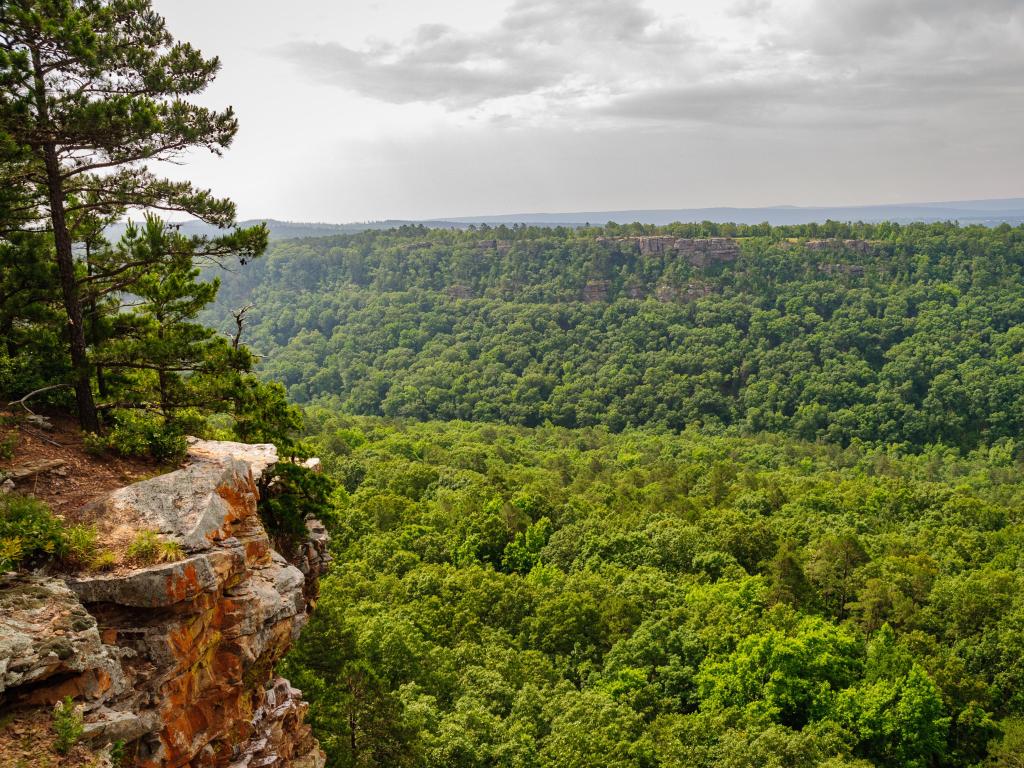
{"points": [[94, 444], [118, 753], [67, 723], [7, 445], [29, 533], [142, 435]]}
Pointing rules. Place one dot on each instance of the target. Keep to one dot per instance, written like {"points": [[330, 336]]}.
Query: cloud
{"points": [[733, 101], [746, 9], [432, 71], [832, 27], [538, 45], [749, 62]]}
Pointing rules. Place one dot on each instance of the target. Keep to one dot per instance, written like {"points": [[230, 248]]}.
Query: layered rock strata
{"points": [[177, 659], [698, 252]]}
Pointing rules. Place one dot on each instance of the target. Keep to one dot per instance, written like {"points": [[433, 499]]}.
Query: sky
{"points": [[356, 111]]}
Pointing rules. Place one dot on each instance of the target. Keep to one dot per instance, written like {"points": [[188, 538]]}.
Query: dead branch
{"points": [[24, 405], [239, 315]]}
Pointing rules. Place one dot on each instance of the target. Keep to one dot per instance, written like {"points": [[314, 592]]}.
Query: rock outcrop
{"points": [[697, 251], [50, 646], [177, 659], [836, 244], [595, 290]]}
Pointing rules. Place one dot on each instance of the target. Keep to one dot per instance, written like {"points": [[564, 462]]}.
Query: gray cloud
{"points": [[858, 62], [830, 27], [733, 102], [749, 9], [435, 70], [537, 45]]}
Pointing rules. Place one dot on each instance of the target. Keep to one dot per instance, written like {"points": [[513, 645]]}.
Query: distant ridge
{"points": [[985, 212], [288, 230], [988, 212]]}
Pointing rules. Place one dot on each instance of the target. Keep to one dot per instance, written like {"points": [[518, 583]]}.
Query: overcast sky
{"points": [[429, 108]]}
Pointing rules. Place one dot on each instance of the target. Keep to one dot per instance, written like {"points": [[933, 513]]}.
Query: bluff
{"points": [[176, 660]]}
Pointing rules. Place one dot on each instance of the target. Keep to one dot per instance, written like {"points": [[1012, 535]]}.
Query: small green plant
{"points": [[105, 560], [68, 725], [147, 548], [118, 754], [80, 546], [11, 553], [7, 443], [144, 547], [170, 552]]}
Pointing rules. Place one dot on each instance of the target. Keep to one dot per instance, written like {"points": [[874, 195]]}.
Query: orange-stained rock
{"points": [[177, 659]]}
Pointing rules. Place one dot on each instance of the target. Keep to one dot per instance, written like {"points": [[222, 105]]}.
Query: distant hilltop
{"points": [[985, 212]]}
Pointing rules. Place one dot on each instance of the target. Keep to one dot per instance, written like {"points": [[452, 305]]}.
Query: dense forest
{"points": [[694, 496], [550, 597], [761, 505], [879, 333]]}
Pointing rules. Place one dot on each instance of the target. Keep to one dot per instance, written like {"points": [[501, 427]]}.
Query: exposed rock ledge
{"points": [[177, 659]]}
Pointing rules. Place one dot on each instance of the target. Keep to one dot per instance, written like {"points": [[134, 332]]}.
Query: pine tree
{"points": [[90, 91], [160, 340], [174, 366]]}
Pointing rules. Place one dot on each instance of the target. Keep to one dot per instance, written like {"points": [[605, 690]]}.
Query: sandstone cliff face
{"points": [[835, 244], [698, 252], [177, 659]]}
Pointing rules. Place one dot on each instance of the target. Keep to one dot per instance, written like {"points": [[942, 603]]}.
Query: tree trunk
{"points": [[87, 415], [94, 319]]}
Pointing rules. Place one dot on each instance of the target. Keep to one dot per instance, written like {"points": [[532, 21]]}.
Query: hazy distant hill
{"points": [[986, 212], [287, 230]]}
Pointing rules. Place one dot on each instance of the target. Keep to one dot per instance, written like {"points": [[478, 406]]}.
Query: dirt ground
{"points": [[27, 740], [82, 478]]}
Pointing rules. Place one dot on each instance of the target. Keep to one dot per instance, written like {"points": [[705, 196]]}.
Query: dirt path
{"points": [[81, 478]]}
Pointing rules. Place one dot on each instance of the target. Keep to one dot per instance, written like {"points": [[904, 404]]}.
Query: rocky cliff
{"points": [[698, 252], [176, 660]]}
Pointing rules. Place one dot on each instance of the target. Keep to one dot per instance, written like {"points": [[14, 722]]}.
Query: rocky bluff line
{"points": [[699, 253], [177, 659]]}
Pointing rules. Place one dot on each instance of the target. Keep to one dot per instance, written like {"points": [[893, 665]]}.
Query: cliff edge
{"points": [[176, 661]]}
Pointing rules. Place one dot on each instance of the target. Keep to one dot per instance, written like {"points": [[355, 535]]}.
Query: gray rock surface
{"points": [[46, 634]]}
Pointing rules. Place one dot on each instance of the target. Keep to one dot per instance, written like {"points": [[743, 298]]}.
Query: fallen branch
{"points": [[39, 391], [41, 435]]}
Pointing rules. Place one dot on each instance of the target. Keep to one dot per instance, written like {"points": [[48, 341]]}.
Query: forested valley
{"points": [[620, 496], [749, 502], [881, 333]]}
